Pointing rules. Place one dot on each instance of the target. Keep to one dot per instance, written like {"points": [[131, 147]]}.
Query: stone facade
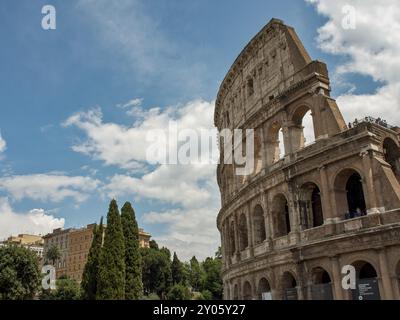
{"points": [[308, 210]]}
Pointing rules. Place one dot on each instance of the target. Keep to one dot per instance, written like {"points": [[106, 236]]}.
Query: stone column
{"points": [[387, 293], [370, 194], [250, 233], [237, 249], [337, 278], [328, 201]]}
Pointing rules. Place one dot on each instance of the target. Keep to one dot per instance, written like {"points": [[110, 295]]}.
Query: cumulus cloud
{"points": [[371, 49], [49, 187], [190, 190], [36, 221]]}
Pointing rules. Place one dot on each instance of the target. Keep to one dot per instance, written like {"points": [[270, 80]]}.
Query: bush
{"points": [[179, 292]]}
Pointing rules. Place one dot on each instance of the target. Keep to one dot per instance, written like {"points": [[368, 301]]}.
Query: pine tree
{"points": [[176, 270], [111, 282], [133, 258], [91, 271]]}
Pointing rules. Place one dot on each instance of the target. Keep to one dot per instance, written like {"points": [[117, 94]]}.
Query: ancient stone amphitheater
{"points": [[308, 209]]}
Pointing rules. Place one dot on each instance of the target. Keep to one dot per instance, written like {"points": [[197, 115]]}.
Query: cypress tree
{"points": [[176, 270], [111, 282], [133, 258], [91, 270]]}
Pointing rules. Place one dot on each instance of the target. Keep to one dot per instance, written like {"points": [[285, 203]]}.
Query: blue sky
{"points": [[166, 53]]}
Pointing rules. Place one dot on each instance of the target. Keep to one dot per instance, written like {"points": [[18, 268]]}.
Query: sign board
{"points": [[367, 289]]}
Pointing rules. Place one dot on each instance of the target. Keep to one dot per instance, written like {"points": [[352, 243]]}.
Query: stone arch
{"points": [[259, 224], [232, 238], [310, 206], [302, 130], [366, 274], [321, 284], [391, 152], [247, 295], [243, 233], [280, 215], [273, 143], [264, 289], [349, 194], [289, 286]]}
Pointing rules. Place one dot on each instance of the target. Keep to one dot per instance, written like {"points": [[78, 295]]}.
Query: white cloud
{"points": [[131, 103], [3, 144], [372, 49], [191, 190], [36, 221], [125, 146], [49, 187]]}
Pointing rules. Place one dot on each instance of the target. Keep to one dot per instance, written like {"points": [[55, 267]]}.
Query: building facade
{"points": [[74, 246], [80, 241], [59, 238], [307, 210]]}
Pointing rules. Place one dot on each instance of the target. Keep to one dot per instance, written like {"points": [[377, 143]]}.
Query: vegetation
{"points": [[133, 259], [111, 280], [19, 273], [116, 268], [179, 292], [53, 254], [66, 289]]}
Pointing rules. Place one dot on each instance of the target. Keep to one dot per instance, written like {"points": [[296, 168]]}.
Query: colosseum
{"points": [[310, 208]]}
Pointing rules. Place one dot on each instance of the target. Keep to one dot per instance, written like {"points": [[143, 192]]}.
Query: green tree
{"points": [[19, 273], [91, 271], [197, 274], [179, 292], [177, 270], [213, 282], [133, 259], [111, 281], [156, 271], [53, 254]]}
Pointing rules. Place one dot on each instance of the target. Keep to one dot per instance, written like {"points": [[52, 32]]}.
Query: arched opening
{"points": [[264, 290], [247, 291], [280, 214], [367, 286], [259, 224], [302, 129], [310, 206], [232, 239], [350, 200], [392, 155], [236, 292], [321, 288], [289, 286], [243, 233], [275, 143]]}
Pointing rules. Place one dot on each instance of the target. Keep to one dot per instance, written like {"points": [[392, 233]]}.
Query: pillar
{"points": [[387, 293], [336, 278]]}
